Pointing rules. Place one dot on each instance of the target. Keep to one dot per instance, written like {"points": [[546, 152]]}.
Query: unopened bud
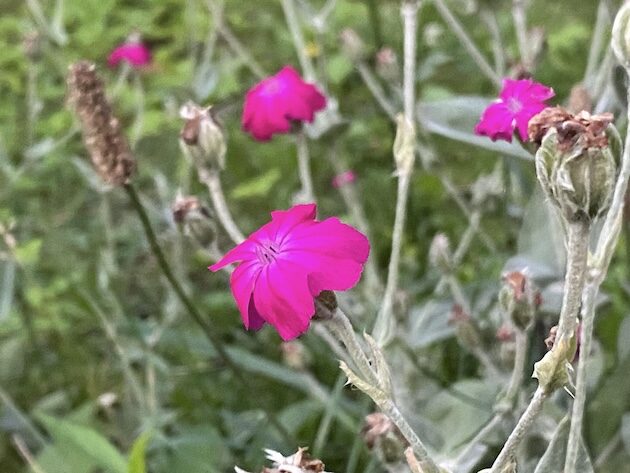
{"points": [[195, 219], [440, 255], [294, 354], [202, 137], [352, 45], [325, 305], [620, 41], [519, 299], [465, 329], [381, 435], [32, 45], [387, 66], [578, 160]]}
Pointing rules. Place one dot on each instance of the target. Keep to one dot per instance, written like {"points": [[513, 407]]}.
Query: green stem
{"points": [[191, 309]]}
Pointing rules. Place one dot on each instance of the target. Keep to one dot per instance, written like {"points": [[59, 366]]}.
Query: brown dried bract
{"points": [[301, 460], [591, 129], [102, 131]]}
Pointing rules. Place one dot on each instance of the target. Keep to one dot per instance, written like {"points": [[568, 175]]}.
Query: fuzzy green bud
{"points": [[202, 137], [578, 160], [519, 299]]}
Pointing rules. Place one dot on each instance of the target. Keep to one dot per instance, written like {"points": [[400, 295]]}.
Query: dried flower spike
{"points": [[102, 132]]}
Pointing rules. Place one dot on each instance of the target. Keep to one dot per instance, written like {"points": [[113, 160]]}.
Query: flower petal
{"points": [[497, 122], [523, 117], [286, 220], [241, 252], [282, 297], [242, 282]]}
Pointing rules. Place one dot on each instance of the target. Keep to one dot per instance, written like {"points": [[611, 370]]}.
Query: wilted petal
{"points": [[136, 54]]}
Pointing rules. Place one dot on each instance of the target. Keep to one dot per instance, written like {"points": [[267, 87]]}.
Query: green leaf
{"points": [[84, 442], [259, 186], [137, 463]]}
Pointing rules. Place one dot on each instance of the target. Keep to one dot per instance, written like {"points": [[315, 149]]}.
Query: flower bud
{"points": [[202, 137], [621, 35], [578, 160], [195, 219], [440, 255], [382, 436], [404, 145], [352, 45], [325, 305], [465, 329], [387, 66], [519, 299]]}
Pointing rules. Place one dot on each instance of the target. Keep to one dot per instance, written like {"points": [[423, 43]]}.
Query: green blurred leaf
{"points": [[256, 187], [137, 462], [84, 443]]}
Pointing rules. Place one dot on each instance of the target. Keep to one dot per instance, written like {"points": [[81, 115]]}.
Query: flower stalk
{"points": [[304, 167], [404, 154]]}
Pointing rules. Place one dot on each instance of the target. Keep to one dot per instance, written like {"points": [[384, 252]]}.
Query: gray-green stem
{"points": [[523, 425], [384, 326], [390, 409], [577, 412], [304, 166], [577, 255], [606, 244], [212, 179]]}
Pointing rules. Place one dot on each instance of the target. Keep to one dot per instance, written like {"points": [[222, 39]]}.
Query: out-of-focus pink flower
{"points": [[346, 177], [135, 53], [287, 262], [273, 103], [518, 102]]}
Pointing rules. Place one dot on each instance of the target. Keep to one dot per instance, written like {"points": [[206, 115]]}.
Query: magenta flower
{"points": [[275, 102], [134, 52], [287, 262], [518, 102], [346, 177]]}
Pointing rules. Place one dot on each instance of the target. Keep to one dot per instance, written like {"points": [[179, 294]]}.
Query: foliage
{"points": [[101, 368]]}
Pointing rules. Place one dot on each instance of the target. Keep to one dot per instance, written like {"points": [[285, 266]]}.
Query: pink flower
{"points": [[133, 52], [518, 102], [272, 104], [346, 177], [287, 262]]}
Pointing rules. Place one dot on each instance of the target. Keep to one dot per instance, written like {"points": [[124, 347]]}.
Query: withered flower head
{"points": [[519, 299], [299, 462], [183, 205], [590, 129], [325, 305], [577, 161], [102, 132]]}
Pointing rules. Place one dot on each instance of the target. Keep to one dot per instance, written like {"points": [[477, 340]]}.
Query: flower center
{"points": [[267, 252], [514, 105], [272, 86]]}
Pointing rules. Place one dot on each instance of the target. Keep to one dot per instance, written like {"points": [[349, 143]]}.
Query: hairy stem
{"points": [[606, 244], [577, 255], [577, 413], [427, 465], [304, 166], [523, 425], [212, 179], [384, 325]]}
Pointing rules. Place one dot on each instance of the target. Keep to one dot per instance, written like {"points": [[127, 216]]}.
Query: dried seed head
{"points": [[380, 434], [102, 132], [577, 161], [519, 298]]}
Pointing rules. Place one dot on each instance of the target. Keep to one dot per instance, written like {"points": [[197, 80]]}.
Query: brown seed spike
{"points": [[102, 133]]}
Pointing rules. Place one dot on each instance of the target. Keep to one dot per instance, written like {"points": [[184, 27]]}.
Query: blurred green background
{"points": [[99, 366]]}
